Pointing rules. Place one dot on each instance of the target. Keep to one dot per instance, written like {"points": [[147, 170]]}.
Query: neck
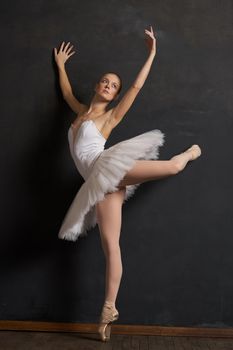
{"points": [[97, 106]]}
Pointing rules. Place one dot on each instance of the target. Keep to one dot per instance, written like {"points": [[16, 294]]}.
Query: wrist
{"points": [[153, 53], [61, 67]]}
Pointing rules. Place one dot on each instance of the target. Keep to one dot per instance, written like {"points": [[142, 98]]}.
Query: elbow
{"points": [[137, 86], [67, 94]]}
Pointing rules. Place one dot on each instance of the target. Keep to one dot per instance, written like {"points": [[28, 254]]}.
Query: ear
{"points": [[96, 85]]}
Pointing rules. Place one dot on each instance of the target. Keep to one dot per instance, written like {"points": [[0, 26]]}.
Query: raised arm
{"points": [[60, 58], [123, 106]]}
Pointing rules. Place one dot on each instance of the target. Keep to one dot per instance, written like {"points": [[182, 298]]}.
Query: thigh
{"points": [[109, 216], [147, 170]]}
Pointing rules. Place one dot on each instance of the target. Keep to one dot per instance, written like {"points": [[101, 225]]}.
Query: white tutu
{"points": [[103, 174]]}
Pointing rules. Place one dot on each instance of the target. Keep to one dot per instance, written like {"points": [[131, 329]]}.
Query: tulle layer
{"points": [[108, 170]]}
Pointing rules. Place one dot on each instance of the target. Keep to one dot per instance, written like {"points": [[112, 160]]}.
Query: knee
{"points": [[111, 249]]}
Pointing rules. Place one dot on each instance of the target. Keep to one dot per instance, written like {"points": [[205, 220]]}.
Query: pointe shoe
{"points": [[195, 151], [109, 314]]}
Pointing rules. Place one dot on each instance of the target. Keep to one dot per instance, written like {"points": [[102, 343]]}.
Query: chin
{"points": [[106, 97]]}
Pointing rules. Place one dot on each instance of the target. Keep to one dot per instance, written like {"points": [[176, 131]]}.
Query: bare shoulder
{"points": [[108, 123], [112, 121], [83, 108]]}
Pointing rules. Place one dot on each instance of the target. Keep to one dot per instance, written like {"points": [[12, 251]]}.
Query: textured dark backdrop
{"points": [[176, 234]]}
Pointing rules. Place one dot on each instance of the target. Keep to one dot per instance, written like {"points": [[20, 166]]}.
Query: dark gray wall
{"points": [[176, 234]]}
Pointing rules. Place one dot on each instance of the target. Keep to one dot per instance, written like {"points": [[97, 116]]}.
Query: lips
{"points": [[106, 91]]}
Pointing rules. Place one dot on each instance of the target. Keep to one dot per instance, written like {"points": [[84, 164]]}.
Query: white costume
{"points": [[102, 169]]}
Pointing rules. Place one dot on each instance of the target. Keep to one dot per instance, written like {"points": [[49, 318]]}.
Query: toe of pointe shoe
{"points": [[104, 331], [109, 314], [195, 150], [198, 150]]}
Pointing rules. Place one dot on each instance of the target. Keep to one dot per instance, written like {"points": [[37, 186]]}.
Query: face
{"points": [[108, 86]]}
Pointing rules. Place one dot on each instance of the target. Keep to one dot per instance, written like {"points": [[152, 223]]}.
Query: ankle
{"points": [[109, 302], [194, 150], [190, 154]]}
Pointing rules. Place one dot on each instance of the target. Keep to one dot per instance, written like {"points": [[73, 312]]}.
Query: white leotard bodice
{"points": [[86, 147]]}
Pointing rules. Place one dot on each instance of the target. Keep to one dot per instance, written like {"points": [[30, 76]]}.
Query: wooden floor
{"points": [[11, 340]]}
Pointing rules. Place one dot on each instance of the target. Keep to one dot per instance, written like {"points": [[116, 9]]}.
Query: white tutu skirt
{"points": [[106, 174]]}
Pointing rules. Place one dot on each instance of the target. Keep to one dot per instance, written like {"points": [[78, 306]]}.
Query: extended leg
{"points": [[147, 170]]}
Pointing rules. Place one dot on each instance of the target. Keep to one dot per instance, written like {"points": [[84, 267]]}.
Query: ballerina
{"points": [[111, 175]]}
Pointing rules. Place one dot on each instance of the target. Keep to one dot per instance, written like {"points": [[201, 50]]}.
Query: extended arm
{"points": [[64, 81], [66, 88], [123, 106], [67, 92], [143, 73]]}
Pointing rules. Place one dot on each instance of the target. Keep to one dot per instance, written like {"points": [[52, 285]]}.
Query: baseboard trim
{"points": [[116, 329]]}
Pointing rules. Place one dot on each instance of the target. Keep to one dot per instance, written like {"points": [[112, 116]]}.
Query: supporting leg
{"points": [[109, 220], [108, 214]]}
